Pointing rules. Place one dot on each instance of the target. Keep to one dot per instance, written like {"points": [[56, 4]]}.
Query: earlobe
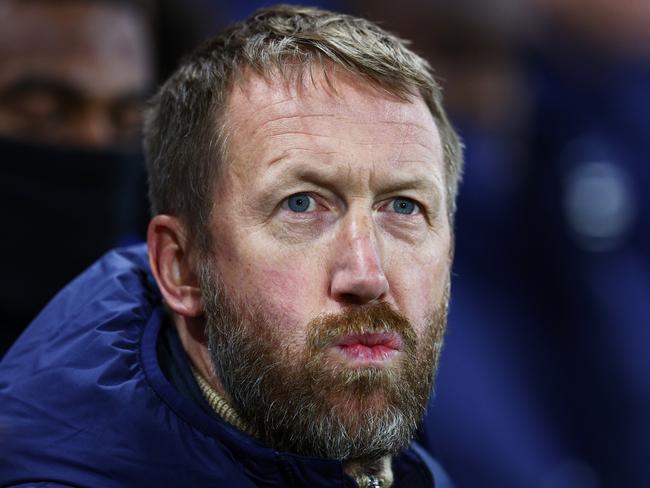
{"points": [[171, 266]]}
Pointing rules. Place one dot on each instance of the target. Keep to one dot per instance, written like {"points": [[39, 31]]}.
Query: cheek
{"points": [[284, 283], [286, 293], [281, 287], [420, 286]]}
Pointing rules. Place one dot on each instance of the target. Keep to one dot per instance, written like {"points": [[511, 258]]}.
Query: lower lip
{"points": [[362, 354]]}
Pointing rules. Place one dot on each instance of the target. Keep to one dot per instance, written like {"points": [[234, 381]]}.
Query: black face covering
{"points": [[60, 209]]}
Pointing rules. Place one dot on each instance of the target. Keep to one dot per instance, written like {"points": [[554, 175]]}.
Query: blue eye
{"points": [[300, 202], [404, 206]]}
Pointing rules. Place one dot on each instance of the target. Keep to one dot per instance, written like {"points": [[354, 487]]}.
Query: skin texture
{"points": [[72, 73], [353, 151]]}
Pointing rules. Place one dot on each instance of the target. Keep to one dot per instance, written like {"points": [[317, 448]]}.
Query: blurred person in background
{"points": [[73, 78], [74, 75]]}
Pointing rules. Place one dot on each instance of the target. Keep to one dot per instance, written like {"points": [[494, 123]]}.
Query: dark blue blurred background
{"points": [[545, 376]]}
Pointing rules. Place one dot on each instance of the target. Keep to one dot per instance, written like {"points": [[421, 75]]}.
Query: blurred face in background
{"points": [[73, 73], [73, 77]]}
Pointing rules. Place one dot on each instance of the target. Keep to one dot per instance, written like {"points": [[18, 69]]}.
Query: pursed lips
{"points": [[369, 349]]}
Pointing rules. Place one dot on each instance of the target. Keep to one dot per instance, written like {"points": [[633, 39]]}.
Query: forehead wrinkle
{"points": [[402, 137], [374, 176], [288, 118], [300, 133], [286, 154], [409, 127], [401, 144], [297, 116], [242, 98], [401, 154], [304, 101]]}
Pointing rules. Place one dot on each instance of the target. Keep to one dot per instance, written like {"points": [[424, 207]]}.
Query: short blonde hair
{"points": [[183, 130]]}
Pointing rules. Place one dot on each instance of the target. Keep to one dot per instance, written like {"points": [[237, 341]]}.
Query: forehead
{"points": [[320, 90], [99, 47], [324, 103]]}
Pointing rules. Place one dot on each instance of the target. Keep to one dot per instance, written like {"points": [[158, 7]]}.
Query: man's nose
{"points": [[357, 275]]}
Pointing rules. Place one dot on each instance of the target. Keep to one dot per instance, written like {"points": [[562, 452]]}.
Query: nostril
{"points": [[354, 290], [351, 298]]}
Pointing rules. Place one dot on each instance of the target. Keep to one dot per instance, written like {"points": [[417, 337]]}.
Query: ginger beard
{"points": [[312, 403]]}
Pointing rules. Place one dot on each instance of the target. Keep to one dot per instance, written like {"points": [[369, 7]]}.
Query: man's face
{"points": [[327, 289], [72, 73]]}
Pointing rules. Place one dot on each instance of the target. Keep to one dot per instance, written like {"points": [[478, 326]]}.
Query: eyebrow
{"points": [[318, 175]]}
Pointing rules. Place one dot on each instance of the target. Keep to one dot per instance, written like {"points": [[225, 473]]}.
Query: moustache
{"points": [[377, 319]]}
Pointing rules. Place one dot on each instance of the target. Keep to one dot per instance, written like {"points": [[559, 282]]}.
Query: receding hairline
{"points": [[318, 73], [328, 76]]}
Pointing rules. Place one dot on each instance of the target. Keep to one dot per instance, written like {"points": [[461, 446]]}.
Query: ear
{"points": [[171, 266]]}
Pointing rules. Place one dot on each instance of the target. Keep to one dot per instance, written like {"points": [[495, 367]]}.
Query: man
{"points": [[302, 177], [73, 78]]}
